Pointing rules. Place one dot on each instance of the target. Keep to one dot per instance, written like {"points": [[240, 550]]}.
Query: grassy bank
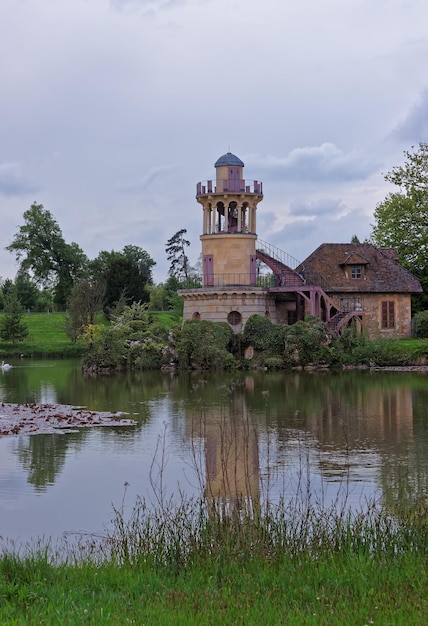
{"points": [[46, 339], [195, 564]]}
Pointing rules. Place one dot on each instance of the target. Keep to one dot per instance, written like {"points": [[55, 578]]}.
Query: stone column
{"points": [[239, 224]]}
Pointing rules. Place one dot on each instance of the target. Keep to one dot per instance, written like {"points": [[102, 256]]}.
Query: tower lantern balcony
{"points": [[229, 185]]}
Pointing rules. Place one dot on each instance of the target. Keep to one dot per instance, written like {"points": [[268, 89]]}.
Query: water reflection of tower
{"points": [[231, 454]]}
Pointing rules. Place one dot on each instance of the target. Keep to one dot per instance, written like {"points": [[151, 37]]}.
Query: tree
{"points": [[114, 269], [164, 297], [142, 259], [175, 249], [27, 291], [124, 279], [85, 301], [40, 248], [11, 326], [402, 218]]}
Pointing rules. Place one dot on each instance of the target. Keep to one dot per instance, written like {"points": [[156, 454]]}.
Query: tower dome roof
{"points": [[228, 159]]}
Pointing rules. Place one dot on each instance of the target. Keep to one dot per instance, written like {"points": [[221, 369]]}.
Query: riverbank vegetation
{"points": [[205, 562], [135, 337]]}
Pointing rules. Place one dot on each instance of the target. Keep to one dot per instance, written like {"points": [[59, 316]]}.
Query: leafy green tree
{"points": [[44, 301], [12, 328], [85, 301], [27, 291], [164, 297], [402, 218], [124, 274], [99, 266], [176, 254], [40, 248], [124, 279], [6, 288], [142, 259]]}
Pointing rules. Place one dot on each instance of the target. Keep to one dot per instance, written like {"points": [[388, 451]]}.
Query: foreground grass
{"points": [[194, 564], [341, 589]]}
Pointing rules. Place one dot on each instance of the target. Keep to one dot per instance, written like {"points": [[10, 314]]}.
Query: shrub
{"points": [[420, 325], [307, 342], [274, 363], [204, 345], [263, 335]]}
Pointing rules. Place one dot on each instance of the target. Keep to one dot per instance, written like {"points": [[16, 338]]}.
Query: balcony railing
{"points": [[228, 281], [222, 186]]}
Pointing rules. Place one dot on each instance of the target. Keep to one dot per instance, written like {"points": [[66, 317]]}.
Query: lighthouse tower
{"points": [[229, 291], [229, 224]]}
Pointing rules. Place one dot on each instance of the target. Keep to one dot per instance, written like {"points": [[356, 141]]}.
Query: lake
{"points": [[345, 439]]}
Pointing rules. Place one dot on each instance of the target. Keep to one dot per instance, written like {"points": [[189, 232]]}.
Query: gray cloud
{"points": [[300, 237], [150, 6], [154, 174], [315, 208], [318, 163], [414, 126], [13, 182]]}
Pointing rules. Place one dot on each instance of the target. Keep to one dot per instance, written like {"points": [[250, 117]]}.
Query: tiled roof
{"points": [[228, 159], [381, 273]]}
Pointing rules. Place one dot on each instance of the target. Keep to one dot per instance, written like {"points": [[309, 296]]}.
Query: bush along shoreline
{"points": [[142, 343], [137, 338]]}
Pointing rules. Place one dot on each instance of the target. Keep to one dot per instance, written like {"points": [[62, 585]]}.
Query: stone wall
{"points": [[216, 305], [372, 314]]}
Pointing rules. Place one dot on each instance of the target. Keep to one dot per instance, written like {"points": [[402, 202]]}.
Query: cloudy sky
{"points": [[113, 110]]}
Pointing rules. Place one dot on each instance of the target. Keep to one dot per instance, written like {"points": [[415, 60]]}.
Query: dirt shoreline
{"points": [[30, 419]]}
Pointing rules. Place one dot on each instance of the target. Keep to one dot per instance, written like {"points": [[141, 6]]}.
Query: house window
{"points": [[388, 314], [355, 271]]}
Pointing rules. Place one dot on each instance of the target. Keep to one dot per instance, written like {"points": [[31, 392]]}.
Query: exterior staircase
{"points": [[310, 288], [282, 264]]}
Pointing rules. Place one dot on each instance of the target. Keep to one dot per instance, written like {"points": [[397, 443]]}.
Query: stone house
{"points": [[367, 286]]}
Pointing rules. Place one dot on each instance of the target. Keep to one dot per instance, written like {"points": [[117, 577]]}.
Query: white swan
{"points": [[5, 366]]}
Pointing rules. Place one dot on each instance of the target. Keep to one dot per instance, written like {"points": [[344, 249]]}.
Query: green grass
{"points": [[345, 591], [167, 319], [193, 564], [416, 348], [46, 338]]}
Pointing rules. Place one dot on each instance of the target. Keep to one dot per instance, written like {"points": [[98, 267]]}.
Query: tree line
{"points": [[56, 275]]}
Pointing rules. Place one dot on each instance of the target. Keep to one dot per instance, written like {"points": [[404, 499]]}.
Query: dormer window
{"points": [[356, 271]]}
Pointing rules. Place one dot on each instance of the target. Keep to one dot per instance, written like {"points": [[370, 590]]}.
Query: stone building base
{"points": [[227, 304]]}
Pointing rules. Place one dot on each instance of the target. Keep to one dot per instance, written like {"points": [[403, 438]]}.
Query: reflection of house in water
{"points": [[375, 431], [382, 418], [230, 438]]}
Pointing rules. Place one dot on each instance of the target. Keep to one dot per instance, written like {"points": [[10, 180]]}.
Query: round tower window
{"points": [[234, 318]]}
